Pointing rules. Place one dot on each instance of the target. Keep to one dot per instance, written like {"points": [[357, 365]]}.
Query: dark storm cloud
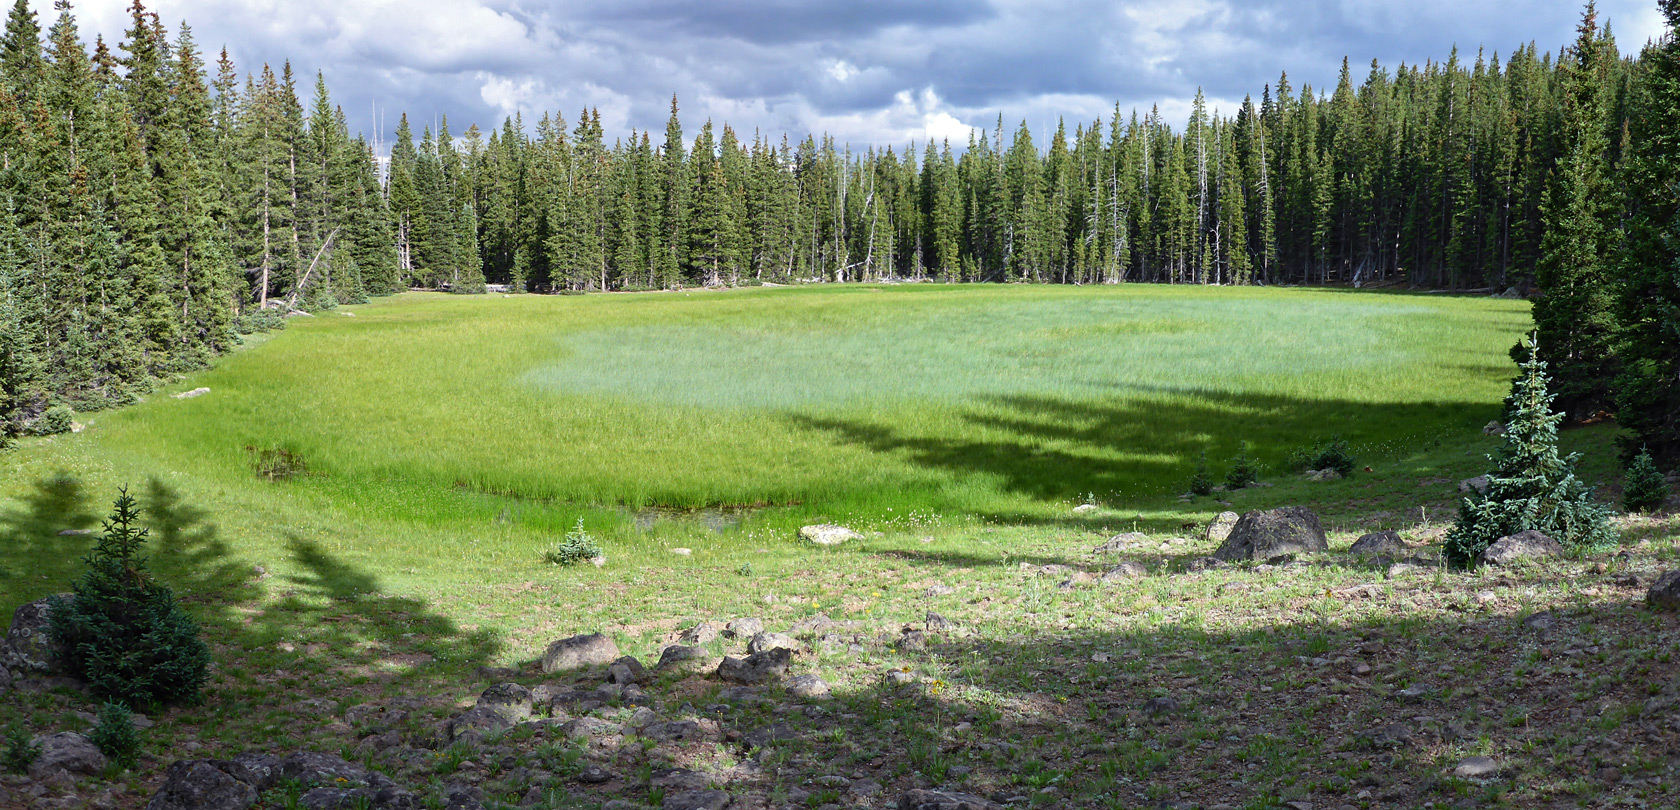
{"points": [[863, 70]]}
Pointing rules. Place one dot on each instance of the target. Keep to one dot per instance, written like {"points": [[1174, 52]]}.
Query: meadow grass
{"points": [[445, 443]]}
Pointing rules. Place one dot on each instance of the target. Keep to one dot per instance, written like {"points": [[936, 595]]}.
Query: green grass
{"points": [[859, 404]]}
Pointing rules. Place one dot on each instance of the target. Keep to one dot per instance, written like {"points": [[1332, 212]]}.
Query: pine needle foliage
{"points": [[1531, 485], [124, 633], [1643, 488], [20, 750], [1243, 472], [1201, 483], [578, 547], [115, 736]]}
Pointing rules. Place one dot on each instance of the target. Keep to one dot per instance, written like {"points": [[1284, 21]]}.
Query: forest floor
{"points": [[983, 652]]}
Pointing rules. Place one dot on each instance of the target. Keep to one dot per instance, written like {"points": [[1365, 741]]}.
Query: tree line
{"points": [[158, 207]]}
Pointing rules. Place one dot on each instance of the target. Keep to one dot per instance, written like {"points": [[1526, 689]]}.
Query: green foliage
{"points": [[266, 319], [20, 750], [1201, 483], [1643, 488], [1331, 455], [123, 632], [55, 420], [578, 547], [1244, 471], [115, 736], [1531, 485]]}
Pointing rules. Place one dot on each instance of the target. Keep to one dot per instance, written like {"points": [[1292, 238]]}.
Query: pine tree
{"points": [[1575, 311], [1648, 390], [1644, 489], [1531, 485]]}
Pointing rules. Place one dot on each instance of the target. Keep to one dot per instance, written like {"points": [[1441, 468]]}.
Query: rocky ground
{"points": [[1254, 663]]}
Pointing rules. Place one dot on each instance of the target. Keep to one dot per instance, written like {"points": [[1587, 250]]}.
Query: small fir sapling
{"points": [[1643, 487], [1531, 485]]}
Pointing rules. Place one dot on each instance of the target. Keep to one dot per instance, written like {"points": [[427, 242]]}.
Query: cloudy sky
{"points": [[866, 71]]}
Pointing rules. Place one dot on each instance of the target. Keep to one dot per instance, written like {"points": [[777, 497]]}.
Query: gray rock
{"points": [[1124, 571], [373, 716], [828, 534], [254, 768], [763, 642], [1478, 485], [1200, 564], [1376, 543], [864, 788], [675, 779], [510, 700], [1522, 545], [1121, 542], [1476, 768], [577, 652], [743, 628], [313, 768], [1086, 509], [768, 735], [1155, 707], [1220, 527], [756, 668], [696, 800], [677, 656], [1272, 533], [942, 800], [589, 727], [593, 774], [626, 670], [1544, 621], [476, 723], [29, 648], [1393, 735], [193, 394], [1327, 474], [935, 591], [1665, 592], [5, 677], [808, 687], [936, 623], [702, 633], [674, 731], [1493, 428], [201, 785], [66, 753]]}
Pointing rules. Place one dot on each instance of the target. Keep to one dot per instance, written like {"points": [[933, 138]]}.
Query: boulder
{"points": [[193, 394], [770, 641], [1327, 474], [578, 652], [1273, 533], [941, 800], [1086, 509], [1200, 564], [1220, 527], [510, 700], [1125, 571], [677, 656], [756, 668], [743, 628], [625, 671], [1476, 768], [808, 687], [695, 800], [66, 753], [313, 768], [828, 534], [254, 768], [702, 633], [1665, 592], [1478, 485], [1121, 542], [201, 785], [29, 648], [1386, 542], [1522, 545]]}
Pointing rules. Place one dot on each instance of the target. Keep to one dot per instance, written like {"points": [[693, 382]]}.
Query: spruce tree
{"points": [[1531, 485], [1648, 390], [1643, 487]]}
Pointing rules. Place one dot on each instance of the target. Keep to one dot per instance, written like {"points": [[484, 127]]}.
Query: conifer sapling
{"points": [[1643, 488], [1531, 485]]}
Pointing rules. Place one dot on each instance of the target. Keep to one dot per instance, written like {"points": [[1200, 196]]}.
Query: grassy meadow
{"points": [[439, 445]]}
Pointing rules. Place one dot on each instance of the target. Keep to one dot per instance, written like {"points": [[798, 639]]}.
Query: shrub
{"points": [[20, 751], [1201, 483], [1243, 470], [56, 419], [1643, 488], [1332, 455], [115, 736], [262, 320], [1531, 486], [578, 547], [124, 633]]}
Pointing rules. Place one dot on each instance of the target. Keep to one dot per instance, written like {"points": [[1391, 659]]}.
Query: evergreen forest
{"points": [[160, 202]]}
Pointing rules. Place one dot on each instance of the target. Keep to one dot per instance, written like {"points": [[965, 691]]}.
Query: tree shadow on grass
{"points": [[43, 539], [325, 600], [1140, 446]]}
